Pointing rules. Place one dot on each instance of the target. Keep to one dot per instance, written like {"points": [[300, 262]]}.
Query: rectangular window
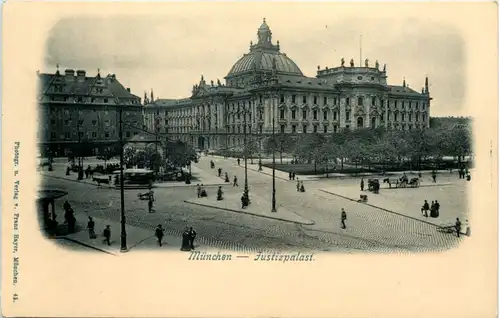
{"points": [[94, 134], [347, 115], [315, 100], [80, 99], [409, 117], [80, 122], [282, 114], [94, 122], [282, 129], [423, 117], [135, 132], [304, 129], [348, 101], [315, 128], [335, 101], [334, 115], [67, 135], [294, 129], [80, 134], [106, 134], [282, 98], [293, 98], [325, 100], [304, 99], [360, 101], [105, 100], [260, 129], [325, 115], [325, 129], [66, 122], [373, 101], [304, 114], [293, 114], [315, 115], [127, 134], [335, 128], [395, 116], [402, 117], [52, 121]]}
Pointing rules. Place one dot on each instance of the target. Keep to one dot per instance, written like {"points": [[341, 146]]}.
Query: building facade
{"points": [[80, 114], [266, 91]]}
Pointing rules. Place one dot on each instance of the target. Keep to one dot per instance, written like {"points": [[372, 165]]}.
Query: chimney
{"points": [[128, 89], [69, 74], [80, 74]]}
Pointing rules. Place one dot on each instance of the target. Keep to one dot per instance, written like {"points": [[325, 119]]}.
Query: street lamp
{"points": [[123, 247], [245, 193], [273, 206]]}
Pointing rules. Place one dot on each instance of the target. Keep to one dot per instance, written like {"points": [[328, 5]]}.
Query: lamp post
{"points": [[245, 152], [123, 235], [273, 206]]}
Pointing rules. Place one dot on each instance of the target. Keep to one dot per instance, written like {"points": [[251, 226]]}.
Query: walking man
{"points": [[433, 176], [343, 218], [458, 227], [235, 182], [298, 185], [91, 228], [198, 190], [293, 175], [150, 203], [290, 175], [192, 236], [159, 234], [107, 235], [238, 161], [425, 208], [219, 171], [362, 184]]}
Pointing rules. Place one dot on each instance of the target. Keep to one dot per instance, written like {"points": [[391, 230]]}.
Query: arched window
{"points": [[360, 122], [373, 122]]}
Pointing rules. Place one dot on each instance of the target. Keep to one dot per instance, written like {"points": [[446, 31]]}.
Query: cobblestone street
{"points": [[368, 228]]}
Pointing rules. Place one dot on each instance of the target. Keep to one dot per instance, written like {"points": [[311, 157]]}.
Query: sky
{"points": [[169, 52]]}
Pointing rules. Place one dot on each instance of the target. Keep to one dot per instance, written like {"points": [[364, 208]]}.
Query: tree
{"points": [[280, 143], [459, 145], [180, 154]]}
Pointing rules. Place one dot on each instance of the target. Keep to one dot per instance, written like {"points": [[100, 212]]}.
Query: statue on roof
{"points": [[366, 63], [384, 67], [376, 64], [352, 62], [212, 83], [218, 82], [342, 62]]}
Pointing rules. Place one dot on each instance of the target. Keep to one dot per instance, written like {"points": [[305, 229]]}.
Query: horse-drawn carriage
{"points": [[403, 182], [146, 195], [373, 185]]}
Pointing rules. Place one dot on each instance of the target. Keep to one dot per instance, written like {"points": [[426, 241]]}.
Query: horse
{"points": [[391, 182]]}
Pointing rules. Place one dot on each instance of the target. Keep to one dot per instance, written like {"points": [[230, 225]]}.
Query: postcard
{"points": [[238, 159]]}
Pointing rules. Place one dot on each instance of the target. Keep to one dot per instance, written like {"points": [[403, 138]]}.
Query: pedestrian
{"points": [[150, 203], [362, 185], [159, 232], [433, 176], [238, 161], [290, 175], [293, 175], [91, 228], [226, 179], [425, 208], [343, 218], [437, 205], [107, 235], [302, 188], [186, 240], [198, 190], [192, 236], [298, 185], [235, 182], [66, 206], [458, 227], [219, 171]]}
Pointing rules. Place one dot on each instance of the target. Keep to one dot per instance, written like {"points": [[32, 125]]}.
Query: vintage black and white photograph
{"points": [[292, 135], [249, 159]]}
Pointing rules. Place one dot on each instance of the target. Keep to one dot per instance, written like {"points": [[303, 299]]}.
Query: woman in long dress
{"points": [[185, 240]]}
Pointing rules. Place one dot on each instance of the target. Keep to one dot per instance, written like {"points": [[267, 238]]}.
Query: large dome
{"points": [[263, 61], [262, 55]]}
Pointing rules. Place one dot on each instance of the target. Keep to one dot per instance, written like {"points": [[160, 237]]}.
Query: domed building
{"points": [[265, 90]]}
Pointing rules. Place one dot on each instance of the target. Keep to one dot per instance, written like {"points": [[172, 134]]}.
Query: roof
{"points": [[402, 90], [263, 61], [82, 85]]}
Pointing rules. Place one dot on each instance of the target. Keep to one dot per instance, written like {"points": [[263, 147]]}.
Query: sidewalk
{"points": [[259, 206], [136, 237], [407, 202]]}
